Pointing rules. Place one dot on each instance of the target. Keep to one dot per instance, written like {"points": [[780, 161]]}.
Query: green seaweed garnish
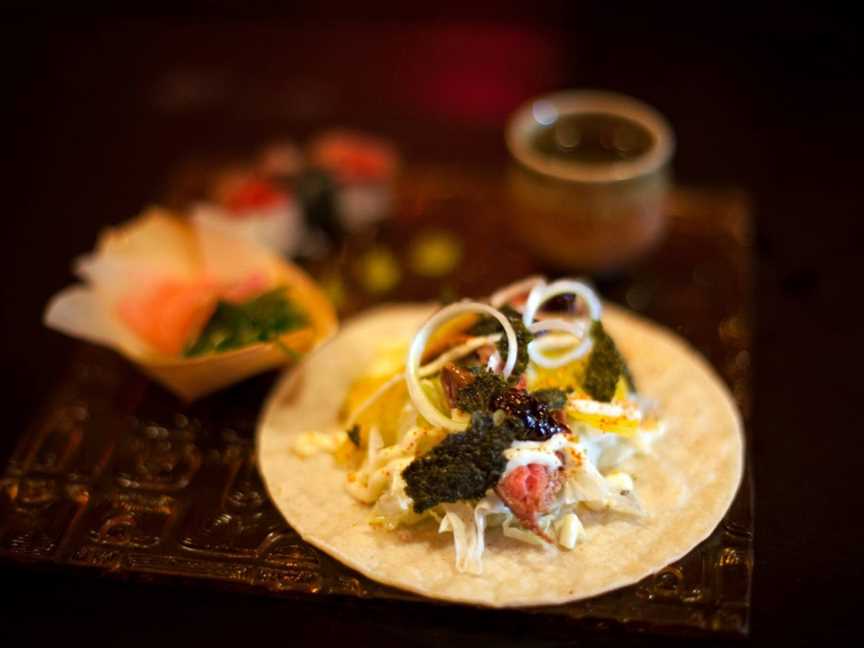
{"points": [[484, 391], [488, 325], [464, 465], [555, 399], [260, 319], [628, 376], [605, 366], [478, 394], [354, 435]]}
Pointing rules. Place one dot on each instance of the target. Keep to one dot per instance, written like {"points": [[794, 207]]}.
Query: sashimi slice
{"points": [[169, 314]]}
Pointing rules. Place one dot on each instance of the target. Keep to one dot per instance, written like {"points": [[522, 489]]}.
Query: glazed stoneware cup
{"points": [[589, 178]]}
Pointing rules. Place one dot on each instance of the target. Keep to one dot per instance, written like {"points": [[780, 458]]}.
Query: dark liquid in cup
{"points": [[594, 138]]}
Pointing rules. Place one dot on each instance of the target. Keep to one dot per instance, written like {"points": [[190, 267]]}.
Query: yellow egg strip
{"points": [[608, 417]]}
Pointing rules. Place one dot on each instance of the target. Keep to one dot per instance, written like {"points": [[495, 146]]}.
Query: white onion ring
{"points": [[505, 294], [415, 390], [542, 293], [576, 329]]}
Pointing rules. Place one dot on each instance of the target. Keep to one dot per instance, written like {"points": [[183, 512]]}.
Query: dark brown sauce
{"points": [[594, 138]]}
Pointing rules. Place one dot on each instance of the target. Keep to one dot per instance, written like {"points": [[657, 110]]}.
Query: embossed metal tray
{"points": [[118, 476]]}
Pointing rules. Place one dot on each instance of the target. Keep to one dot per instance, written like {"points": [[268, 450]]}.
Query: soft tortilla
{"points": [[686, 486]]}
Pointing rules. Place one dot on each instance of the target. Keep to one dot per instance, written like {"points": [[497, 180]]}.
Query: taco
{"points": [[536, 448]]}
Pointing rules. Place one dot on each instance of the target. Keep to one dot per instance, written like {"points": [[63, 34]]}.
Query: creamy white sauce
{"points": [[523, 453], [620, 481], [612, 410]]}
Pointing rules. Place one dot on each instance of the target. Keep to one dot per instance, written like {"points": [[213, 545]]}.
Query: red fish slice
{"points": [[169, 313], [529, 491]]}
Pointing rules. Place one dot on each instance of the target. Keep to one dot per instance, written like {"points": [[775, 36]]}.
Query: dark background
{"points": [[768, 100]]}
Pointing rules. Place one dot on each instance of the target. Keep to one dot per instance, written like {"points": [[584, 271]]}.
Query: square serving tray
{"points": [[118, 477]]}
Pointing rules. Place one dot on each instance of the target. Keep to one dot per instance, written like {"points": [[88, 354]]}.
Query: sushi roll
{"points": [[363, 168], [253, 207]]}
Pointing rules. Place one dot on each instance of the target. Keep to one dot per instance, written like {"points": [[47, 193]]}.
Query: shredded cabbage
{"points": [[468, 540]]}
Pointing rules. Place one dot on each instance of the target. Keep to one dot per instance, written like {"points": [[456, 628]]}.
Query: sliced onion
{"points": [[455, 353], [415, 390], [554, 341], [573, 327], [576, 329], [542, 293], [505, 294]]}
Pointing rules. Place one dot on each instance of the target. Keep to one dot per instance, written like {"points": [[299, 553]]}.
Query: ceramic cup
{"points": [[589, 178]]}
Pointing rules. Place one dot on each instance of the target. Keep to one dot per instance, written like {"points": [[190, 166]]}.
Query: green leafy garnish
{"points": [[628, 376], [479, 393], [464, 465], [605, 366], [354, 435], [260, 319], [555, 399], [487, 325], [476, 389]]}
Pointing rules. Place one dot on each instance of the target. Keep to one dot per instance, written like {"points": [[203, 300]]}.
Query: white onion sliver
{"points": [[455, 353], [576, 329], [553, 341], [542, 293], [533, 303], [415, 390], [505, 294], [573, 327]]}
